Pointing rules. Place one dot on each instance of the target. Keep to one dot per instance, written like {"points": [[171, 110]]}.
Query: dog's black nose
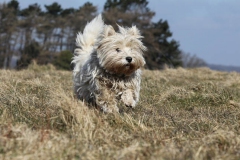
{"points": [[129, 59]]}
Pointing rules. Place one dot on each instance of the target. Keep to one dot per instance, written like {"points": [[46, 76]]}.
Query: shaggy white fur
{"points": [[107, 65]]}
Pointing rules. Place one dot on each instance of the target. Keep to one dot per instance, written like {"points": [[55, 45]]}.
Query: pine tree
{"points": [[30, 52], [54, 9], [8, 32], [63, 60], [166, 51]]}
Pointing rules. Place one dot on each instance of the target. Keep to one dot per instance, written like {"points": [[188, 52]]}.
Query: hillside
{"points": [[182, 114], [224, 68]]}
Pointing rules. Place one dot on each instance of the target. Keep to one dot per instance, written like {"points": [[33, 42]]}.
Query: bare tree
{"points": [[192, 61], [8, 23]]}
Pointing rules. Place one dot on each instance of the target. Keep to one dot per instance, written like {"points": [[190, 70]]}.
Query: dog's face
{"points": [[121, 53]]}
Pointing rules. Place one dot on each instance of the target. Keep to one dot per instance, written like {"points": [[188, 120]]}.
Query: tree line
{"points": [[48, 36]]}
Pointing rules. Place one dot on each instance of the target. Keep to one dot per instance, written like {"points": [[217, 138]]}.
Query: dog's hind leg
{"points": [[106, 101]]}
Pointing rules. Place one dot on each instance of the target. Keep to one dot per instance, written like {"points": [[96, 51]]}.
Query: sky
{"points": [[209, 29]]}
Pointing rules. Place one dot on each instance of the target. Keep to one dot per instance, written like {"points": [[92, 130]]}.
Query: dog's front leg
{"points": [[128, 98]]}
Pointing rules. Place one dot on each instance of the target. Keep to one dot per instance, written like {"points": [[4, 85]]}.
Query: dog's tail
{"points": [[86, 40]]}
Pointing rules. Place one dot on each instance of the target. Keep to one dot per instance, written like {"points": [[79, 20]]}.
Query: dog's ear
{"points": [[122, 30], [134, 31], [108, 31]]}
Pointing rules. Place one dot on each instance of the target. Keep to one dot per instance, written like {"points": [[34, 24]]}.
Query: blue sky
{"points": [[209, 29]]}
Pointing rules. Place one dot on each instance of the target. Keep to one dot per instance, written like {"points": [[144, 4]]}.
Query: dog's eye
{"points": [[118, 50]]}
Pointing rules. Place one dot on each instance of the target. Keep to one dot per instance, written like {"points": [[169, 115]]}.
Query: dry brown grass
{"points": [[183, 114]]}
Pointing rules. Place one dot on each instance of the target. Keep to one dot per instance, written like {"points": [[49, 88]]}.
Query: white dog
{"points": [[107, 65]]}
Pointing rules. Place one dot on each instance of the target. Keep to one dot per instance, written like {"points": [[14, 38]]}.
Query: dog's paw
{"points": [[127, 98], [108, 108]]}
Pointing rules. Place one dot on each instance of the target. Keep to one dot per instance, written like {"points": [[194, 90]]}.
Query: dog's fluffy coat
{"points": [[107, 65]]}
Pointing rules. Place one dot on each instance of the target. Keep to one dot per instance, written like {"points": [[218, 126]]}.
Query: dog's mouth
{"points": [[128, 66]]}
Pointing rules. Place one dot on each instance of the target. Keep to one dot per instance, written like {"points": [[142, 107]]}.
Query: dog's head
{"points": [[121, 53]]}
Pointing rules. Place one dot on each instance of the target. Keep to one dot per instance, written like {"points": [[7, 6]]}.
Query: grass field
{"points": [[183, 114]]}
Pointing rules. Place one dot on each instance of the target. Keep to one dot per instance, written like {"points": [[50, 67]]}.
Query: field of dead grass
{"points": [[182, 114]]}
